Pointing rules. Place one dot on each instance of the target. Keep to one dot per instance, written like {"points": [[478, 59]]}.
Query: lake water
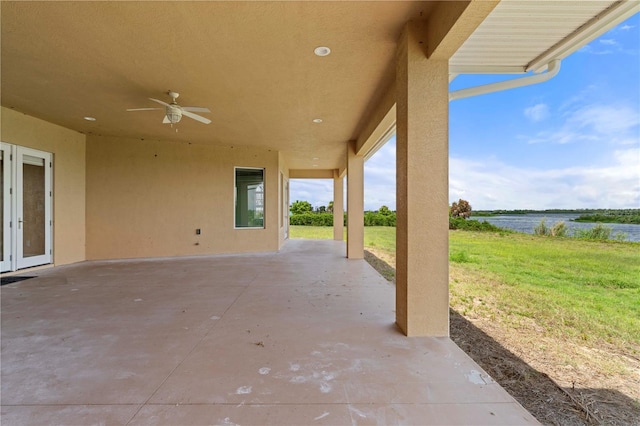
{"points": [[526, 222]]}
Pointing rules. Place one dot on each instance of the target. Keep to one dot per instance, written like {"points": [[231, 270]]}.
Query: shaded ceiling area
{"points": [[251, 63]]}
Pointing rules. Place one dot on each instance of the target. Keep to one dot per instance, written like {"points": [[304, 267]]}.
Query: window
{"points": [[249, 185]]}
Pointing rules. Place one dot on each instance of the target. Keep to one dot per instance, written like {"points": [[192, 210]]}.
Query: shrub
{"points": [[612, 217], [598, 232], [542, 228], [559, 229], [379, 219], [620, 236], [473, 225], [312, 219], [460, 257]]}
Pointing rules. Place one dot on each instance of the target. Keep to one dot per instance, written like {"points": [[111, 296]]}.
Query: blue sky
{"points": [[571, 142]]}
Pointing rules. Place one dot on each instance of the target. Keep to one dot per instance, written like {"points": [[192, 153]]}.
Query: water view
{"points": [[526, 222]]}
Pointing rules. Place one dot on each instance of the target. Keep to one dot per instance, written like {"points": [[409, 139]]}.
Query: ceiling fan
{"points": [[174, 112]]}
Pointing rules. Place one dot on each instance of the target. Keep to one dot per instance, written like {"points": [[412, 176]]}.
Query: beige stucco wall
{"points": [[68, 148], [147, 198]]}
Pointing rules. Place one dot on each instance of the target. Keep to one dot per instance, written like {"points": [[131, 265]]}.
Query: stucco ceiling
{"points": [[251, 63]]}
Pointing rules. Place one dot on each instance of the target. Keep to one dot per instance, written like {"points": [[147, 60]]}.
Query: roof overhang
{"points": [[523, 36]]}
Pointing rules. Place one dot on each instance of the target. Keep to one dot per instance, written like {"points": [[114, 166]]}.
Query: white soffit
{"points": [[520, 35]]}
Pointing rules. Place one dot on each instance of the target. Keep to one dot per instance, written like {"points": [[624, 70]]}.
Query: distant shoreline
{"points": [[623, 216], [599, 214]]}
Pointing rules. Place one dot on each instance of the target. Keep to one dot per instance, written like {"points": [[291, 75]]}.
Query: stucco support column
{"points": [[422, 233], [338, 207], [355, 203]]}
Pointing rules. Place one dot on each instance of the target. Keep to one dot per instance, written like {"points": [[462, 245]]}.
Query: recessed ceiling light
{"points": [[315, 158], [90, 118], [322, 50], [317, 120]]}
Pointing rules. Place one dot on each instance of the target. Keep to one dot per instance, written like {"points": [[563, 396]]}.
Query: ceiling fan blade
{"points": [[143, 109], [196, 117], [166, 120], [160, 102], [196, 109]]}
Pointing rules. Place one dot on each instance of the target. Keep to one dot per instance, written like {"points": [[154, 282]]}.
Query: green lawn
{"points": [[381, 237], [582, 290]]}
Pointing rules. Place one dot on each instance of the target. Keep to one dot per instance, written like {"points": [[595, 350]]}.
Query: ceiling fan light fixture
{"points": [[174, 117], [174, 113]]}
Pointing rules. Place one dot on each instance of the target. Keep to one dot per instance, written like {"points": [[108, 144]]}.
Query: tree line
{"points": [[303, 214]]}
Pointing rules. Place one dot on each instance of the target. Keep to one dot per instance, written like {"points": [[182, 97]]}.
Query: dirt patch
{"points": [[539, 379], [382, 262], [559, 381]]}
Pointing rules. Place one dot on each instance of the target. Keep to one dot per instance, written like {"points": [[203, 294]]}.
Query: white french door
{"points": [[5, 207], [26, 207]]}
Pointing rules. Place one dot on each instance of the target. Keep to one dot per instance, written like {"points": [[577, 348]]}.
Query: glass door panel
{"points": [[34, 208], [33, 202]]}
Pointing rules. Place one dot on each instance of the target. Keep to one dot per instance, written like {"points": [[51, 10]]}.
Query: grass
{"points": [[586, 291], [312, 232], [380, 237]]}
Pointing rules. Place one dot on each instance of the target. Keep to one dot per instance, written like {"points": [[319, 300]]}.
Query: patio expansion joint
{"points": [[248, 404], [74, 404], [285, 404], [195, 346]]}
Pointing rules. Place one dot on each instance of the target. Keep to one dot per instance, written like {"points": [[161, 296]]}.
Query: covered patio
{"points": [[302, 336], [214, 316]]}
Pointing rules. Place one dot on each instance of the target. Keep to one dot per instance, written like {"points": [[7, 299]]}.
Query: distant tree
{"points": [[460, 209], [330, 207], [384, 210], [300, 207], [321, 209]]}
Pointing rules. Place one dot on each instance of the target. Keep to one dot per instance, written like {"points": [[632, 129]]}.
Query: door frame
{"points": [[13, 205], [6, 151]]}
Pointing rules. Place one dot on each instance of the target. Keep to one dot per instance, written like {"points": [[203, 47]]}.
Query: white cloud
{"points": [[608, 42], [627, 27], [379, 189], [380, 178], [537, 112], [594, 51], [607, 46], [494, 185], [491, 184], [614, 124], [319, 192], [606, 119]]}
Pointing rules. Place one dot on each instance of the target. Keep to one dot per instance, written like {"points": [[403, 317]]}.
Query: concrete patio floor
{"points": [[300, 337]]}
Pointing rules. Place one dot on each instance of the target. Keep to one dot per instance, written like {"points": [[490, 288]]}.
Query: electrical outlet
{"points": [[198, 231]]}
